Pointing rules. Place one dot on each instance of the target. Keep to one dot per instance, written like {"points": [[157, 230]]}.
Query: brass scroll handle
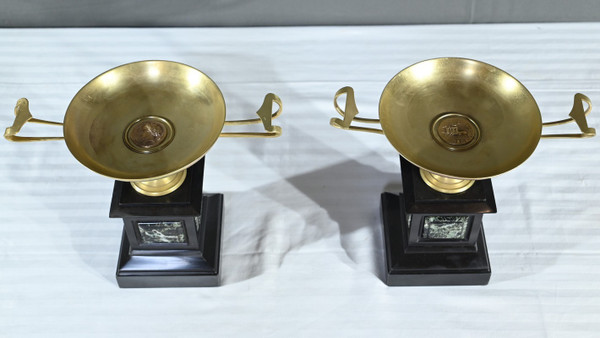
{"points": [[265, 116], [22, 116], [350, 112], [577, 114]]}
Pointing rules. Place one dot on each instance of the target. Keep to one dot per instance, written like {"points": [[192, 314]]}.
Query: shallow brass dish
{"points": [[146, 122], [459, 119]]}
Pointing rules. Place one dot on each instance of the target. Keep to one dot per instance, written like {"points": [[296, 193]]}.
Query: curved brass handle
{"points": [[22, 116], [350, 113], [577, 114], [265, 116]]}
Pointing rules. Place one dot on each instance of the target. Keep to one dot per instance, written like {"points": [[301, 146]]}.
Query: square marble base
{"points": [[177, 268], [443, 267]]}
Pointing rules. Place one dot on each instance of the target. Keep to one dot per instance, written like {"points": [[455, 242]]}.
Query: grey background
{"points": [[160, 13]]}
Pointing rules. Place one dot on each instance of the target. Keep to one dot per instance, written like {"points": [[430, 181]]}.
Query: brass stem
{"points": [[445, 184], [162, 186]]}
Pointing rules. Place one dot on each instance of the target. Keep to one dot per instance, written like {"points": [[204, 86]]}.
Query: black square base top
{"points": [[421, 199], [185, 201]]}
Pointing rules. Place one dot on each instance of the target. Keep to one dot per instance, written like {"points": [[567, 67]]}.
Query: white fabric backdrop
{"points": [[302, 249]]}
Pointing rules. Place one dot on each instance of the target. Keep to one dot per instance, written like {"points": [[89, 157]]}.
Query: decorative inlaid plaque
{"points": [[445, 227], [161, 232]]}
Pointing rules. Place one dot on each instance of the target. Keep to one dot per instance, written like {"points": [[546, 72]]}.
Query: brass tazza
{"points": [[459, 120], [146, 122]]}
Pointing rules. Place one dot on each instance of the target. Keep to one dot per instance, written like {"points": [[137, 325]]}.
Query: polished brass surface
{"points": [[22, 116], [577, 115], [460, 119], [504, 111], [161, 186], [350, 112], [265, 116], [146, 122], [445, 184], [102, 111]]}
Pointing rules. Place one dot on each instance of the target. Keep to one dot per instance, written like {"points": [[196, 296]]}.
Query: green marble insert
{"points": [[162, 232], [445, 227]]}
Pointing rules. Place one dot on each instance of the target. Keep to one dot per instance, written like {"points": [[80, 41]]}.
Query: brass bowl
{"points": [[459, 120], [146, 122], [101, 120]]}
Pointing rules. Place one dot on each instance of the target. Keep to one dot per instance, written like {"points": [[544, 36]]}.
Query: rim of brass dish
{"points": [[146, 122], [459, 119]]}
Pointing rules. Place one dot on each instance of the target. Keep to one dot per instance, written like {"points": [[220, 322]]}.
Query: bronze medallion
{"points": [[148, 134], [455, 131]]}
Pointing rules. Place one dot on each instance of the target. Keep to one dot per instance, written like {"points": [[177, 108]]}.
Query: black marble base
{"points": [[177, 268], [426, 268]]}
